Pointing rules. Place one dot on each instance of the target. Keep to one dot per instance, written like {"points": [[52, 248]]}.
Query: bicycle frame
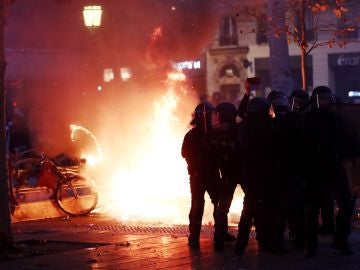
{"points": [[73, 193]]}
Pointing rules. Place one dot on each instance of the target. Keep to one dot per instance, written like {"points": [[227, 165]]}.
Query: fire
{"points": [[176, 76], [157, 33], [146, 180], [91, 158]]}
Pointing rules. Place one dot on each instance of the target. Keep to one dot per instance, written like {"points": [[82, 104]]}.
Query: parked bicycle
{"points": [[73, 193]]}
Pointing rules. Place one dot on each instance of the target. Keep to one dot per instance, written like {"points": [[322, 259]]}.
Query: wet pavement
{"points": [[99, 242]]}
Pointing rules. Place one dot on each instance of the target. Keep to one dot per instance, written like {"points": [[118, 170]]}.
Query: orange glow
{"points": [[157, 33], [142, 176], [91, 158], [125, 74], [176, 76]]}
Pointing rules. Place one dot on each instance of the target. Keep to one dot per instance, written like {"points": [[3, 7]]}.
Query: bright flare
{"points": [[142, 177], [91, 158]]}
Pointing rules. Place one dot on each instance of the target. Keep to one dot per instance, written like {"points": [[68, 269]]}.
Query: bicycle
{"points": [[73, 193]]}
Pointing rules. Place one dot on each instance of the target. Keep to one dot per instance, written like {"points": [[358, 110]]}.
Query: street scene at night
{"points": [[180, 134]]}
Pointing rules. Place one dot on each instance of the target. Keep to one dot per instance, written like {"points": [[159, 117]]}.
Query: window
{"points": [[228, 32], [261, 29], [125, 74], [309, 25], [108, 74]]}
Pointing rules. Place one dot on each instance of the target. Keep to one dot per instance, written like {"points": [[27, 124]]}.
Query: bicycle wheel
{"points": [[76, 196]]}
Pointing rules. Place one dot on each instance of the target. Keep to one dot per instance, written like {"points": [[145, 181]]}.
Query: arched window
{"points": [[229, 70]]}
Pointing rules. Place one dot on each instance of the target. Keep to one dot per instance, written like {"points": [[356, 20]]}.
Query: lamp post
{"points": [[92, 20], [92, 16]]}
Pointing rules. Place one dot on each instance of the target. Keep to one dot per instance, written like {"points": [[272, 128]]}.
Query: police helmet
{"points": [[299, 100], [202, 114], [278, 100], [321, 97], [258, 105], [227, 112]]}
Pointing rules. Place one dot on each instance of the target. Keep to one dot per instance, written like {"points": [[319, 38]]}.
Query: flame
{"points": [[157, 33], [176, 76], [149, 181], [154, 186], [91, 159]]}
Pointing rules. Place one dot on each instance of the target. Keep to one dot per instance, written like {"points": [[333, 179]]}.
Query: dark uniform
{"points": [[202, 169], [281, 107], [225, 147], [328, 145], [258, 169], [295, 151], [279, 102]]}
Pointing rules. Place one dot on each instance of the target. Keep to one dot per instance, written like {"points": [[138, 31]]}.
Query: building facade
{"points": [[240, 49], [226, 62]]}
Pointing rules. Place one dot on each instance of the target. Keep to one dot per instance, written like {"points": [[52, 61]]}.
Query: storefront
{"points": [[345, 70]]}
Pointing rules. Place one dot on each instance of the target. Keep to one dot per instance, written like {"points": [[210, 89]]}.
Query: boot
{"points": [[194, 237], [239, 246], [193, 242], [229, 238]]}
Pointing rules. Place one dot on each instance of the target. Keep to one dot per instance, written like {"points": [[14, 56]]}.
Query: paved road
{"points": [[98, 242]]}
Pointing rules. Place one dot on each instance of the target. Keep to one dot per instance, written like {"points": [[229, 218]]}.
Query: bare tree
{"points": [[304, 21], [297, 28], [337, 28]]}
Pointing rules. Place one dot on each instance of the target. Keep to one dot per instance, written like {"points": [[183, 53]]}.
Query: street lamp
{"points": [[92, 16], [92, 20]]}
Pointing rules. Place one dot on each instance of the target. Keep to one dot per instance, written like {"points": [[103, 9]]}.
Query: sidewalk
{"points": [[98, 242]]}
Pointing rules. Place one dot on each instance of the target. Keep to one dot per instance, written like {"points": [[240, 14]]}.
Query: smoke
{"points": [[129, 119], [62, 91]]}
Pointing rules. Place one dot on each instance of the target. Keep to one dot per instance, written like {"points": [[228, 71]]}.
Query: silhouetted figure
{"points": [[225, 147], [242, 108], [279, 102], [202, 169], [328, 144], [295, 162], [216, 98], [256, 136]]}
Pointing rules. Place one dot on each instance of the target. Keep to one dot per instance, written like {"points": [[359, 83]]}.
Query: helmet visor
{"points": [[297, 104], [323, 101]]}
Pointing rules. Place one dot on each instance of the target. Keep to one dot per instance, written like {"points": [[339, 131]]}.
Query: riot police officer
{"points": [[202, 169], [256, 137], [296, 159], [327, 145], [225, 147]]}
